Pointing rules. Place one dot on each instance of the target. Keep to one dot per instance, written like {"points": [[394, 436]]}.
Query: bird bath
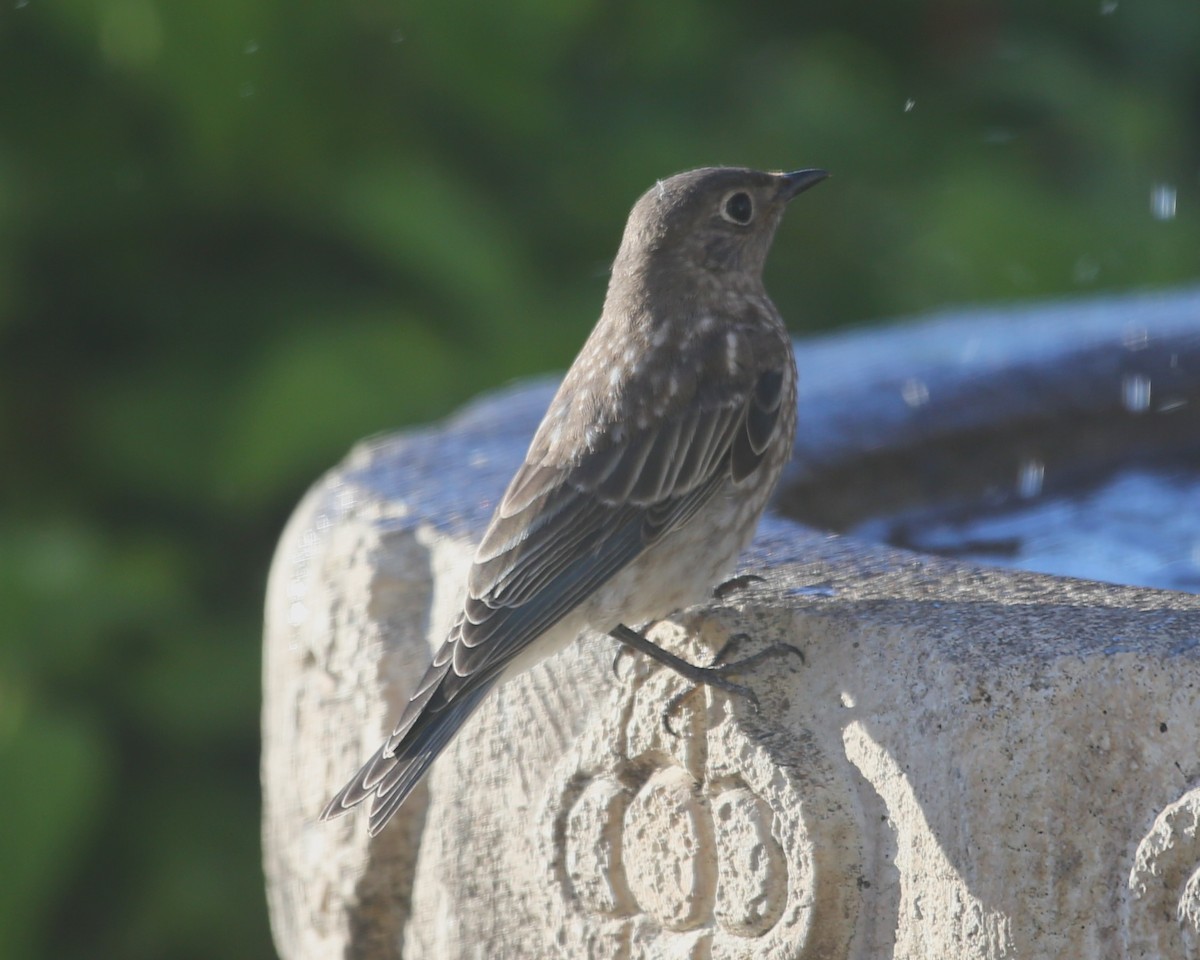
{"points": [[971, 761]]}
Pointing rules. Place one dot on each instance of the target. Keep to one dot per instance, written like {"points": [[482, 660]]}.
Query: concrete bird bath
{"points": [[972, 762]]}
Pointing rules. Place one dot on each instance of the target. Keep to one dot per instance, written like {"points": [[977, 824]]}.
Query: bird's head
{"points": [[716, 219]]}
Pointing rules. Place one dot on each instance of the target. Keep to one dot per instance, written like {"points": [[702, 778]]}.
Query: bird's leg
{"points": [[714, 676], [623, 650]]}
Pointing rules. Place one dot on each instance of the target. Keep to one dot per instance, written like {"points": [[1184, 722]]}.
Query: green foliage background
{"points": [[238, 235]]}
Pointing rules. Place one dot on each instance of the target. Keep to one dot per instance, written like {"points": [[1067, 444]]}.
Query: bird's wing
{"points": [[560, 532]]}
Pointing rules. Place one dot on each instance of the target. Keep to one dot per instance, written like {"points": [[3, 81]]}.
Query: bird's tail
{"points": [[389, 777]]}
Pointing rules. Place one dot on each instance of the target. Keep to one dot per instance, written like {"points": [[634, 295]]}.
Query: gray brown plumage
{"points": [[648, 473]]}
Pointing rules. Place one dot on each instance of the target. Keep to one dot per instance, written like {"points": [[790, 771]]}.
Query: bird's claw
{"points": [[735, 640], [622, 650], [734, 584], [672, 708], [715, 678]]}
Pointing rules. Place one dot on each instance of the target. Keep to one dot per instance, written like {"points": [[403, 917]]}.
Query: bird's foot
{"points": [[716, 675], [737, 639], [734, 584]]}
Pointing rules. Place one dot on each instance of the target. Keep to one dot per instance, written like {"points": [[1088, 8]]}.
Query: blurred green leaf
{"points": [[55, 771], [298, 412]]}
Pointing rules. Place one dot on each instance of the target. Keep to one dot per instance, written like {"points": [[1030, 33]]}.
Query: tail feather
{"points": [[388, 780]]}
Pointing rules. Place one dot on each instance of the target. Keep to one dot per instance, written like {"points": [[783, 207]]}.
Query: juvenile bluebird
{"points": [[647, 475]]}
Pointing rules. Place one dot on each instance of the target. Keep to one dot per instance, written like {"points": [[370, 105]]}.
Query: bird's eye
{"points": [[738, 208]]}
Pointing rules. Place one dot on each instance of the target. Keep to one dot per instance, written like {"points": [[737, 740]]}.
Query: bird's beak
{"points": [[796, 182]]}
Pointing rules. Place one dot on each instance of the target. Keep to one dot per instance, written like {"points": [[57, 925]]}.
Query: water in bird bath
{"points": [[1138, 526], [1062, 439]]}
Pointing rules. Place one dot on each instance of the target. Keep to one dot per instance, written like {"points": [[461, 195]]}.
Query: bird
{"points": [[647, 475]]}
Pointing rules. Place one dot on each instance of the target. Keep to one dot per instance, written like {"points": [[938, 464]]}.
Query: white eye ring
{"points": [[737, 207]]}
